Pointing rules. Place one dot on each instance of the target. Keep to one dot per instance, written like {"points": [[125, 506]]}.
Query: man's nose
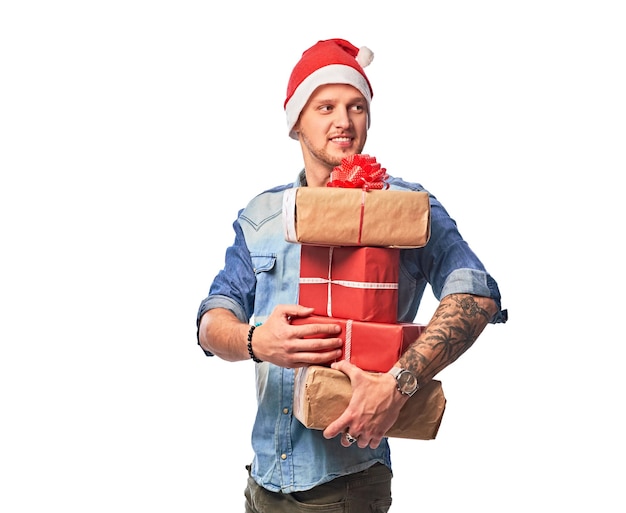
{"points": [[342, 117]]}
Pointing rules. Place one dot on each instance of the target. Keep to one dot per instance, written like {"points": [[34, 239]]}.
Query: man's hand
{"points": [[373, 408], [285, 345]]}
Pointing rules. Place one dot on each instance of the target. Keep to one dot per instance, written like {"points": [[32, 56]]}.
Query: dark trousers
{"points": [[364, 492]]}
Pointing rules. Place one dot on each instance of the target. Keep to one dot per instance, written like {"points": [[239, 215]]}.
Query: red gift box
{"points": [[371, 346], [359, 283]]}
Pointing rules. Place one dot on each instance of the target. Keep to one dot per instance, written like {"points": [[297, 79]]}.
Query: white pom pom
{"points": [[365, 56]]}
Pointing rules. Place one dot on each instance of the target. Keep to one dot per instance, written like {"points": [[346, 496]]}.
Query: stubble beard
{"points": [[322, 156]]}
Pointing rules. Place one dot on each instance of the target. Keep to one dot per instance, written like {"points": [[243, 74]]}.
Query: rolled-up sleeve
{"points": [[234, 286]]}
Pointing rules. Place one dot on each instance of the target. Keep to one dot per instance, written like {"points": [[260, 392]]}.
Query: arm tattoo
{"points": [[456, 324]]}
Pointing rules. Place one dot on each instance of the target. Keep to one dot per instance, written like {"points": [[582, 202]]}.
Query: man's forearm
{"points": [[224, 335], [456, 324]]}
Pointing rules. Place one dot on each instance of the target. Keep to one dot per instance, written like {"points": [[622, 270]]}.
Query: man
{"points": [[348, 464]]}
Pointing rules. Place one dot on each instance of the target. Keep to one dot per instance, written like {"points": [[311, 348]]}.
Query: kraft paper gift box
{"points": [[371, 346], [350, 282], [335, 216], [322, 394]]}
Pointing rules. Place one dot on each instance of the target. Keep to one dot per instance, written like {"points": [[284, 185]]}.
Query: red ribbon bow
{"points": [[359, 172]]}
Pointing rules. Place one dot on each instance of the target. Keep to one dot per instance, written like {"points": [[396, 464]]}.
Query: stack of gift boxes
{"points": [[351, 234]]}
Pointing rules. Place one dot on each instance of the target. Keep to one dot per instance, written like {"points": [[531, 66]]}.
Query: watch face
{"points": [[407, 382]]}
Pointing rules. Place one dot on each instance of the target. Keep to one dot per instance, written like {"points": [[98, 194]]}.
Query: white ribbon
{"points": [[347, 351], [289, 215]]}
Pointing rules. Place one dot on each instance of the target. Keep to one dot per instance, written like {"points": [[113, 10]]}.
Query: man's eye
{"points": [[326, 108], [358, 108]]}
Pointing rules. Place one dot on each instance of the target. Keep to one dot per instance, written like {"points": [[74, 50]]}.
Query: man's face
{"points": [[332, 125]]}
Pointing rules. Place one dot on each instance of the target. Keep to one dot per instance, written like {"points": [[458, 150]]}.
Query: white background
{"points": [[131, 132]]}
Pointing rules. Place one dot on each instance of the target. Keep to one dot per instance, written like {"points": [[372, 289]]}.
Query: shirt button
{"points": [[285, 411], [283, 456]]}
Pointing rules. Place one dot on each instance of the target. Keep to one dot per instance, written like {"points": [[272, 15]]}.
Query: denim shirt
{"points": [[262, 270]]}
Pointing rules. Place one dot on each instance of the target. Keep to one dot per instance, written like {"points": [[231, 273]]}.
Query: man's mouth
{"points": [[342, 139]]}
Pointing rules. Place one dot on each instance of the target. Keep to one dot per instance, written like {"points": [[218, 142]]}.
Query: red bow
{"points": [[359, 172]]}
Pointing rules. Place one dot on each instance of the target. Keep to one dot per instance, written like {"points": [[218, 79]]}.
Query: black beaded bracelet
{"points": [[250, 351]]}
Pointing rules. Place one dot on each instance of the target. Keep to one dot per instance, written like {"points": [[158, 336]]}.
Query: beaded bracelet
{"points": [[250, 351]]}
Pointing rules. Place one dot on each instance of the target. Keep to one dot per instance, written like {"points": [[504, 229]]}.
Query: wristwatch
{"points": [[405, 380]]}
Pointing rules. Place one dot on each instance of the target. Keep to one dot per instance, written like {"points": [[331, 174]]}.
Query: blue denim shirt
{"points": [[262, 270]]}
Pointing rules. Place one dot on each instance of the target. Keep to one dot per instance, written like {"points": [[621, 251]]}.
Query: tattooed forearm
{"points": [[456, 324]]}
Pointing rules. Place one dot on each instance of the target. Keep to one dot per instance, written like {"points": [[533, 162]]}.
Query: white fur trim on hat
{"points": [[332, 74]]}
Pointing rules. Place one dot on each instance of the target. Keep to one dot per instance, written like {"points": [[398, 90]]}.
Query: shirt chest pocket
{"points": [[263, 262]]}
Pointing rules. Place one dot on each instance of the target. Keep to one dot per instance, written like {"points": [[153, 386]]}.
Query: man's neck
{"points": [[316, 179]]}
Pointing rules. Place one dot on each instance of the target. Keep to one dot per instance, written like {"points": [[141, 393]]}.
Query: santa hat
{"points": [[333, 61]]}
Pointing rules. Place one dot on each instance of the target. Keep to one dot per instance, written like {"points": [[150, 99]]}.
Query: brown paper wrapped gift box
{"points": [[334, 216], [322, 394]]}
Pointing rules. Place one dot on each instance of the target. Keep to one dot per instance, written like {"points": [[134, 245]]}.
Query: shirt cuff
{"points": [[217, 301], [478, 283]]}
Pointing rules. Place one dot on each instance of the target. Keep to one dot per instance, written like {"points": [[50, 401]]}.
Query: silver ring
{"points": [[350, 438]]}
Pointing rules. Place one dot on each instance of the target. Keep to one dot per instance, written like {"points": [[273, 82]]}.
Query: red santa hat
{"points": [[332, 61]]}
